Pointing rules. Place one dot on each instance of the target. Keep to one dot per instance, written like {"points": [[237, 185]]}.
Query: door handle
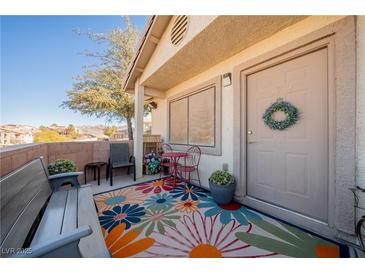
{"points": [[250, 132]]}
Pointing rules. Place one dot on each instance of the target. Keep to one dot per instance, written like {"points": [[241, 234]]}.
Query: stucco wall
{"points": [[309, 25], [360, 108], [158, 118], [165, 50], [210, 163]]}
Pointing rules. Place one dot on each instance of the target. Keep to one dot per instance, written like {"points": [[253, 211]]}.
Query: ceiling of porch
{"points": [[221, 39]]}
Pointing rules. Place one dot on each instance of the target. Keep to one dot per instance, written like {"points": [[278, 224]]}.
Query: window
{"points": [[179, 121], [194, 118], [201, 118]]}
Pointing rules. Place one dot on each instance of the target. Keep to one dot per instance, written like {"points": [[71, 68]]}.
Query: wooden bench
{"points": [[48, 223]]}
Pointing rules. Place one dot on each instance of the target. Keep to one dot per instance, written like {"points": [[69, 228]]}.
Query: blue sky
{"points": [[39, 57]]}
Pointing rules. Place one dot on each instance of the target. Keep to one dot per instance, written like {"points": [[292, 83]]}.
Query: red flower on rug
{"points": [[156, 186], [188, 206]]}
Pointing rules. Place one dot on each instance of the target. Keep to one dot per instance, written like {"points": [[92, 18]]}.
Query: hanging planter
{"points": [[291, 112]]}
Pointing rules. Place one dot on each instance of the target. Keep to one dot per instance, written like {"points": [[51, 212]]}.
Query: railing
{"points": [[81, 153]]}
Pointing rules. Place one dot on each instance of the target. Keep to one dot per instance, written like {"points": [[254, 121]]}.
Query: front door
{"points": [[289, 168]]}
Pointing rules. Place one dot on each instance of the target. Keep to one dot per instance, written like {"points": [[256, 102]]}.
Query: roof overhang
{"points": [[222, 38], [154, 29]]}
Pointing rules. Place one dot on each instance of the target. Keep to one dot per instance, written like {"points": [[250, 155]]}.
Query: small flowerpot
{"points": [[222, 194], [146, 170]]}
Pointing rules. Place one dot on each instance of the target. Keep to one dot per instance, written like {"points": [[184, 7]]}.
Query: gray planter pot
{"points": [[222, 194]]}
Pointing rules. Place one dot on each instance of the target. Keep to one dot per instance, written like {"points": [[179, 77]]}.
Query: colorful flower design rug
{"points": [[156, 219]]}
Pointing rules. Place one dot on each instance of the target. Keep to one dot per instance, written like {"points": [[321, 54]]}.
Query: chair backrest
{"points": [[194, 154], [24, 192], [119, 153], [164, 148]]}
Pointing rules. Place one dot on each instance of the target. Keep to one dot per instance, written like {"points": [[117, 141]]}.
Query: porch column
{"points": [[138, 127]]}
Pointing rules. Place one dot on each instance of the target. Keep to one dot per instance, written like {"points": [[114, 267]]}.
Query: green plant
{"points": [[221, 177], [152, 162], [61, 166]]}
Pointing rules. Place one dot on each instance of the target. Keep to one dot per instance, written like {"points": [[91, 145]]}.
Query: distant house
{"points": [[86, 137], [96, 131], [122, 133], [62, 130], [14, 137]]}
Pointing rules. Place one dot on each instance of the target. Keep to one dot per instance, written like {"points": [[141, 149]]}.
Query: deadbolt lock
{"points": [[250, 132]]}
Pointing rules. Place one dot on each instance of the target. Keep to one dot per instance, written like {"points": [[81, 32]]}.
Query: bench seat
{"points": [[67, 211]]}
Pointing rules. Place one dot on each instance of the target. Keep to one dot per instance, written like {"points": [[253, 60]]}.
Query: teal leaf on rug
{"points": [[293, 241], [273, 245]]}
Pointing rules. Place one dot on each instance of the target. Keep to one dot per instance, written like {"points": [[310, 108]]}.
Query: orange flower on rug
{"points": [[121, 244], [188, 206]]}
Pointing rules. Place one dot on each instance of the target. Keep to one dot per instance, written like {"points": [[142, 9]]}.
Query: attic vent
{"points": [[179, 29]]}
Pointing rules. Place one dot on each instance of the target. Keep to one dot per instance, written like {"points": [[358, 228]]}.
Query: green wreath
{"points": [[292, 115]]}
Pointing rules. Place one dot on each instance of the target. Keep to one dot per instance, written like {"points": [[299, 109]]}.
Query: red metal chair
{"points": [[191, 164], [165, 162]]}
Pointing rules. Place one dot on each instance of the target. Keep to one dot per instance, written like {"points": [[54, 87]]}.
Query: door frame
{"points": [[283, 213], [323, 38]]}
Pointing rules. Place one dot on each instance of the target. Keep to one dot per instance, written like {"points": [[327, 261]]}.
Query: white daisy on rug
{"points": [[197, 236]]}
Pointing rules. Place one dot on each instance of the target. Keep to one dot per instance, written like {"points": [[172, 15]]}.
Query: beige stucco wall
{"points": [[165, 49], [360, 107], [158, 118], [309, 25], [210, 163]]}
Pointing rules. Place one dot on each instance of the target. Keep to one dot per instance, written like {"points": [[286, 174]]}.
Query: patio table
{"points": [[95, 166], [175, 157]]}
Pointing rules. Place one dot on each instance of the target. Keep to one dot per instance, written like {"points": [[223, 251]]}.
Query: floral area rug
{"points": [[156, 219]]}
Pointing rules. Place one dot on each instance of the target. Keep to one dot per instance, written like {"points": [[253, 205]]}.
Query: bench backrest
{"points": [[23, 194]]}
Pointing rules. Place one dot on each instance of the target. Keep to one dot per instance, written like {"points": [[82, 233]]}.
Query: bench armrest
{"points": [[57, 246], [65, 175], [58, 180]]}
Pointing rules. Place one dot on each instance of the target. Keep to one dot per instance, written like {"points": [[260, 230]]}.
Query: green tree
{"points": [[99, 91], [110, 131], [71, 132], [45, 135]]}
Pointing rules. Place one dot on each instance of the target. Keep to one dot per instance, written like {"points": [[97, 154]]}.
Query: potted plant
{"points": [[61, 166], [222, 186], [152, 163]]}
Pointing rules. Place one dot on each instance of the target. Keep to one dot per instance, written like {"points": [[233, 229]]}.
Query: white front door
{"points": [[289, 168]]}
